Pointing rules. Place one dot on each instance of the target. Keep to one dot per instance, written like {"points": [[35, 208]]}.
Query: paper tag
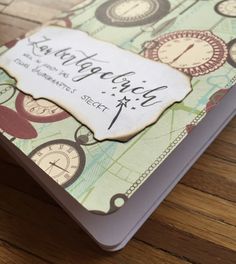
{"points": [[112, 91]]}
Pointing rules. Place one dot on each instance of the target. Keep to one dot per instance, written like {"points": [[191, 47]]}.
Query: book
{"points": [[104, 190]]}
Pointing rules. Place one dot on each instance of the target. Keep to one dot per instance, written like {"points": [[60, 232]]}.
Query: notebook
{"points": [[111, 185]]}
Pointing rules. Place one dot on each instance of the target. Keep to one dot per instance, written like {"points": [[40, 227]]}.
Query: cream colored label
{"points": [[112, 91]]}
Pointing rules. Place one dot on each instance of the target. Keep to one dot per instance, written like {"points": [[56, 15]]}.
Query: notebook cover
{"points": [[110, 172]]}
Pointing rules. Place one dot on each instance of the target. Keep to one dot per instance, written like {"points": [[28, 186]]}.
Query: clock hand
{"points": [[51, 166], [54, 164], [48, 167], [188, 48]]}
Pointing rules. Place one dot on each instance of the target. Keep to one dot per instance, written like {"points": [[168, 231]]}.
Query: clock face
{"points": [[41, 110], [192, 52], [62, 160], [7, 91], [232, 53], [84, 136], [226, 8], [128, 13]]}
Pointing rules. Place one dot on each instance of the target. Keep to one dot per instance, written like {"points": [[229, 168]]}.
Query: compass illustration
{"points": [[7, 91], [193, 52], [232, 53], [226, 8], [128, 13], [40, 110]]}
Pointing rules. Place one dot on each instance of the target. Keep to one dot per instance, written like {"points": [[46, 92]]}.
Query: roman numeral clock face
{"points": [[128, 13], [62, 160]]}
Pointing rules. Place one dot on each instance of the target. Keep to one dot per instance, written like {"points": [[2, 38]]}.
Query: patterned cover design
{"points": [[196, 37]]}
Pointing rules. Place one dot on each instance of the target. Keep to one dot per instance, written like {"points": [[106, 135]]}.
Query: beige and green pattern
{"points": [[113, 169]]}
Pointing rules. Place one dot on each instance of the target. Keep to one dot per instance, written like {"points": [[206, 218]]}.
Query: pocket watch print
{"points": [[129, 13], [232, 53], [40, 110], [193, 52], [226, 8], [63, 160], [28, 109], [7, 91], [15, 125]]}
